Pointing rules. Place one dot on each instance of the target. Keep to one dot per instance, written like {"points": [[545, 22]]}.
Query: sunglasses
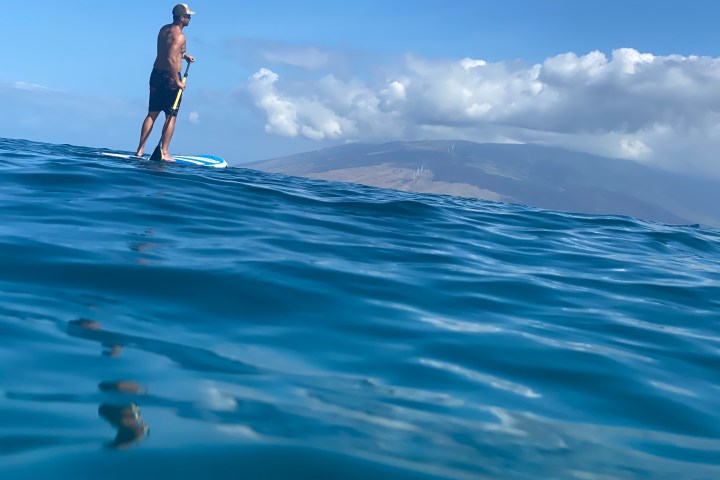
{"points": [[188, 16]]}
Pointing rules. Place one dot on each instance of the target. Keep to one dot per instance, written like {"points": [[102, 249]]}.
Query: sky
{"points": [[631, 79]]}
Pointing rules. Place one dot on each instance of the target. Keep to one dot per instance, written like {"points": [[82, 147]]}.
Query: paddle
{"points": [[157, 154]]}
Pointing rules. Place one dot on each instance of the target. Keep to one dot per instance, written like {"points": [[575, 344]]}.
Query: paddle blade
{"points": [[157, 154]]}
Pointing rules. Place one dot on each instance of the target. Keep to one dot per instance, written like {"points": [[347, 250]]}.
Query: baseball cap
{"points": [[182, 9]]}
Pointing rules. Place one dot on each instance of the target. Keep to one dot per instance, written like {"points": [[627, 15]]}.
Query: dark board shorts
{"points": [[163, 91]]}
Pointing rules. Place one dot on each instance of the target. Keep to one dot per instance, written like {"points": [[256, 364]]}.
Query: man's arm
{"points": [[175, 55]]}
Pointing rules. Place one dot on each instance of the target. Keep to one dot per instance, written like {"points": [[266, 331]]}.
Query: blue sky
{"points": [[630, 79]]}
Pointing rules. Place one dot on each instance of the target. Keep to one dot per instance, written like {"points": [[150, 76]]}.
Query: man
{"points": [[166, 79]]}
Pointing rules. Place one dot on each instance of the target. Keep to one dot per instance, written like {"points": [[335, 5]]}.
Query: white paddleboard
{"points": [[199, 160]]}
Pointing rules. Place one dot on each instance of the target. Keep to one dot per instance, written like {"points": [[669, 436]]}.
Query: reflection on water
{"points": [[125, 417], [122, 386], [143, 247], [92, 330], [131, 428]]}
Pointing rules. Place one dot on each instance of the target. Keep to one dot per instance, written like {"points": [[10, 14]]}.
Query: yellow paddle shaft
{"points": [[177, 98]]}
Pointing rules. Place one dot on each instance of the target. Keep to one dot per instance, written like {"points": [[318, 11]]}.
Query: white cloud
{"points": [[281, 113], [36, 112], [310, 58], [194, 117], [395, 92], [660, 109], [32, 87], [281, 54], [309, 117], [634, 148], [469, 63]]}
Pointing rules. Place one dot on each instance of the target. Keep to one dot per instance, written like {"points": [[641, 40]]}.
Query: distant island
{"points": [[528, 174]]}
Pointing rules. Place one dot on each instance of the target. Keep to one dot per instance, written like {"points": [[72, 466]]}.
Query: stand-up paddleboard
{"points": [[199, 160]]}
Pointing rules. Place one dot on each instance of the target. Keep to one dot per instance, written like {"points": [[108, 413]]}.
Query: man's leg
{"points": [[145, 131], [164, 149]]}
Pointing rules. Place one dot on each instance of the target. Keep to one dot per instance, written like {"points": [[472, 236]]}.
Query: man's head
{"points": [[181, 11]]}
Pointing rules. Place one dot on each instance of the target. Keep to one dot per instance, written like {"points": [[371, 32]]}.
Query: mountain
{"points": [[540, 176]]}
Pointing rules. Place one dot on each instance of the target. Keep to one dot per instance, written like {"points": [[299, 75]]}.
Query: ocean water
{"points": [[180, 322]]}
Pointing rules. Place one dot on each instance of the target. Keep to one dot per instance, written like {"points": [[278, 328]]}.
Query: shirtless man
{"points": [[166, 79]]}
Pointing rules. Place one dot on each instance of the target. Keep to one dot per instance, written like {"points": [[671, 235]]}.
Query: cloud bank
{"points": [[663, 110]]}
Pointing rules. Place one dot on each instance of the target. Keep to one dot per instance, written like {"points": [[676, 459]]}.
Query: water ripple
{"points": [[284, 327]]}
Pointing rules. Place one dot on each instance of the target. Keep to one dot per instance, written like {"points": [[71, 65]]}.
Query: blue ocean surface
{"points": [[168, 321]]}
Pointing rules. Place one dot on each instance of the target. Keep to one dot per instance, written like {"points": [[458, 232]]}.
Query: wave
{"points": [[280, 326]]}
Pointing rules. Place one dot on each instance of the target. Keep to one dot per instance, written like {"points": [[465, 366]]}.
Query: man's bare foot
{"points": [[168, 159], [139, 153]]}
